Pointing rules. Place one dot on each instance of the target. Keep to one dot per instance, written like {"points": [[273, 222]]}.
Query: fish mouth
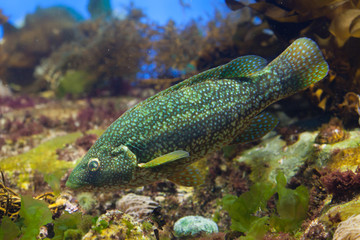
{"points": [[72, 185]]}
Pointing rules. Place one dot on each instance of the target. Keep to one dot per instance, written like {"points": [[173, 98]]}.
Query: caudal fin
{"points": [[299, 66]]}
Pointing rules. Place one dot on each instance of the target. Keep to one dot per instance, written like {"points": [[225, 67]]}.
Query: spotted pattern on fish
{"points": [[161, 137]]}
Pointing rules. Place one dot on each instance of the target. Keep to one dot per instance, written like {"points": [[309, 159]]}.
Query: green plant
{"points": [[249, 212], [34, 214], [291, 206], [102, 225], [8, 229]]}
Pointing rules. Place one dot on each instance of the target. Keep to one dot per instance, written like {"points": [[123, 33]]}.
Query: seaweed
{"points": [[335, 26], [104, 56], [72, 226], [342, 185], [3, 18], [34, 213], [250, 212], [8, 230], [99, 8], [36, 220], [43, 158], [177, 49], [23, 48]]}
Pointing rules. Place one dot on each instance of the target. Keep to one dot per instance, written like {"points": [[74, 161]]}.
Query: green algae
{"points": [[8, 229], [250, 214], [72, 226], [75, 83], [272, 155], [44, 159], [35, 214]]}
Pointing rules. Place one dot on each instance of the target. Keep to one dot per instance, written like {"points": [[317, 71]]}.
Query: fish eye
{"points": [[94, 164]]}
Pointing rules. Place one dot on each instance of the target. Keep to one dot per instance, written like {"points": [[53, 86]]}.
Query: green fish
{"points": [[162, 136]]}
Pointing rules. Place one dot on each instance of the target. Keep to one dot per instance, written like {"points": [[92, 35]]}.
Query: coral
{"points": [[332, 132], [137, 206], [194, 225], [348, 229], [342, 185], [116, 225], [87, 201]]}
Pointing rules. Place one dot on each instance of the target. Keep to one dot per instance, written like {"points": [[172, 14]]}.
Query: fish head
{"points": [[103, 168]]}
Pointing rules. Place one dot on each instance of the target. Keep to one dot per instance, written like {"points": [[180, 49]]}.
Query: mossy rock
{"points": [[273, 154], [116, 225]]}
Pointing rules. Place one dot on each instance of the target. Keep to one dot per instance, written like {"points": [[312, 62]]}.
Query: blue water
{"points": [[159, 11]]}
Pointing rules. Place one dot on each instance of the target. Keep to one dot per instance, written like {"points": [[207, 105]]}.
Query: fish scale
{"points": [[161, 137]]}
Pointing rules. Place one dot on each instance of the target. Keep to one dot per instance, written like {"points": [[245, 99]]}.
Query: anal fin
{"points": [[259, 126], [189, 177]]}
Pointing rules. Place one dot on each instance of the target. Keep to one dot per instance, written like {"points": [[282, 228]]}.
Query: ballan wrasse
{"points": [[162, 136]]}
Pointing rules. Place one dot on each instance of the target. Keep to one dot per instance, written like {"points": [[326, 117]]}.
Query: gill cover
{"points": [[124, 162]]}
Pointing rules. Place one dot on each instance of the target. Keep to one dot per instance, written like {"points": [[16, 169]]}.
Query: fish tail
{"points": [[299, 66]]}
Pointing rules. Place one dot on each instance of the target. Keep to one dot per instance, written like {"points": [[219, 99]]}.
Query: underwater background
{"points": [[68, 69]]}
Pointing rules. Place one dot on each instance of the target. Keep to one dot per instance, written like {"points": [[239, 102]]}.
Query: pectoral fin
{"points": [[167, 158], [189, 177], [259, 126]]}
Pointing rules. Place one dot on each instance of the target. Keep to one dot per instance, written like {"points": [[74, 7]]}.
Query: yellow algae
{"points": [[345, 211], [348, 158], [42, 158]]}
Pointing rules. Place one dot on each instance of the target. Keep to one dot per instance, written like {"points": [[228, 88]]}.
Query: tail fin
{"points": [[299, 66]]}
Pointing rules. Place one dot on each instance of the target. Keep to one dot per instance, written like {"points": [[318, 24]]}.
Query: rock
{"points": [[194, 225]]}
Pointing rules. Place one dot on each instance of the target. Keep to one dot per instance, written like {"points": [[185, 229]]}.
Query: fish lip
{"points": [[72, 185]]}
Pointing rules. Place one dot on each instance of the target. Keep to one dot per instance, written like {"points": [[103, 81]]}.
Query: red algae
{"points": [[86, 141], [342, 185]]}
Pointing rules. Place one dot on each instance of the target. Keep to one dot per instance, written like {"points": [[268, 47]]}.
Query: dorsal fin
{"points": [[236, 69]]}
